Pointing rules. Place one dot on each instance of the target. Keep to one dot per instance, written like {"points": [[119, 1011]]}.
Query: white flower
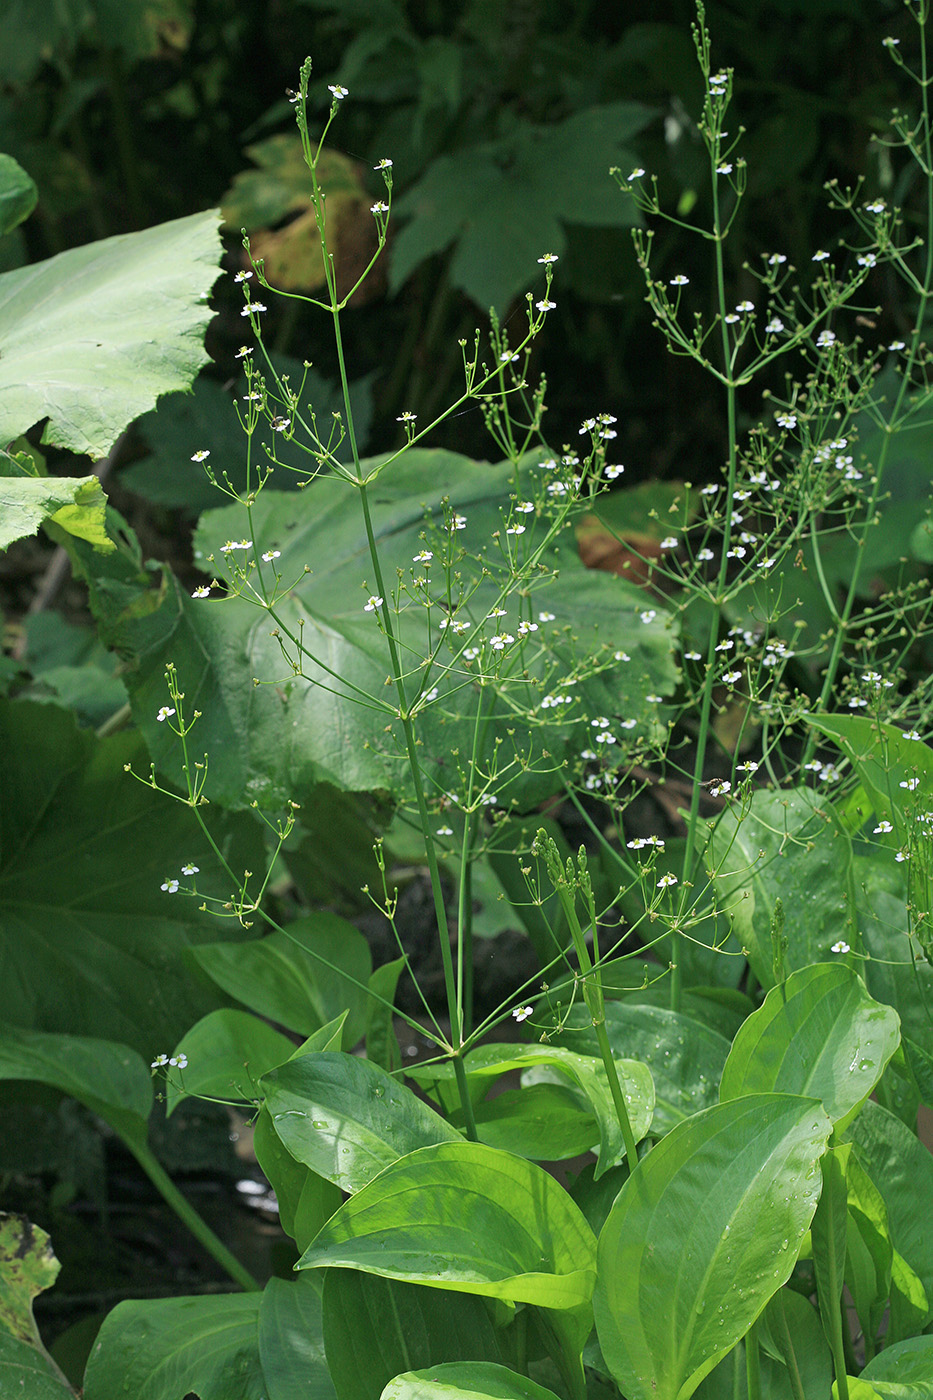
{"points": [[637, 173], [190, 869], [775, 259], [501, 641], [545, 305], [648, 615], [692, 656], [725, 168], [252, 308], [515, 530], [826, 338], [774, 326], [867, 260], [612, 473], [680, 280], [170, 886], [621, 656], [720, 787], [547, 617], [201, 455], [202, 592], [902, 855], [911, 734], [655, 699], [373, 603], [820, 256], [242, 277], [745, 306], [524, 507], [911, 784], [159, 1061], [671, 542], [179, 1061], [840, 947], [380, 207], [666, 881], [406, 417], [883, 828], [384, 164], [732, 677], [235, 544], [166, 712], [525, 627], [897, 345], [548, 258], [601, 722], [457, 522], [424, 557], [521, 1013], [710, 490], [243, 351], [271, 554], [445, 831], [339, 92], [786, 420], [705, 555]]}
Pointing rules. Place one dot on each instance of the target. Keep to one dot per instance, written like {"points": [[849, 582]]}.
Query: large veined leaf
{"points": [[29, 1374], [227, 1051], [889, 765], [273, 740], [787, 846], [162, 1349], [89, 942], [291, 1341], [76, 503], [93, 336], [530, 182], [346, 1118], [819, 1035], [705, 1230], [471, 1219], [27, 1268], [474, 1380]]}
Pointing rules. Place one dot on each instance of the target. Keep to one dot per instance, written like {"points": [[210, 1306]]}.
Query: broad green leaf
{"points": [[18, 194], [347, 1119], [271, 743], [531, 182], [464, 1217], [702, 1234], [892, 971], [93, 336], [900, 1372], [373, 1327], [460, 1380], [819, 1035], [545, 1122], [685, 1058], [301, 977], [869, 1253], [162, 1349], [902, 1170], [110, 1079], [884, 760], [586, 1072], [291, 1342], [76, 503], [29, 1374], [791, 1329], [788, 845], [828, 1235], [89, 942], [305, 1199], [228, 1052], [27, 1268]]}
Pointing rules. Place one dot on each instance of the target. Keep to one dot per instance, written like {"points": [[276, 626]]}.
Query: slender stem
{"points": [[752, 1363], [190, 1217]]}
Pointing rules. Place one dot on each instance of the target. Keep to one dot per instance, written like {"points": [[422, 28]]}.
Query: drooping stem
{"points": [[189, 1216]]}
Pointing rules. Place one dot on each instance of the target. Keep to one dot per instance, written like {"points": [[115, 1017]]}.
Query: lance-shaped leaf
{"points": [[335, 719], [705, 1230], [473, 1380], [468, 1218], [93, 336], [346, 1118], [820, 1035]]}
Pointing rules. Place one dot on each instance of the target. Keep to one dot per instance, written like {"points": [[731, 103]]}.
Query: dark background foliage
{"points": [[501, 121]]}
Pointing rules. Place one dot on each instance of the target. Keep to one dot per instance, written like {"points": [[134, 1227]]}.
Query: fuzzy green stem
{"points": [[190, 1217]]}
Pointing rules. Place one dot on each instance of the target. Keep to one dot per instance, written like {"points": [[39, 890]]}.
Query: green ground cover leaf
{"points": [[291, 1341], [705, 1230], [29, 1374], [819, 1035], [89, 943], [92, 337], [346, 1118], [228, 1052]]}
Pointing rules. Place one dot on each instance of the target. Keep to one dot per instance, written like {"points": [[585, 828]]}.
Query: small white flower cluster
{"points": [[171, 886], [828, 772], [170, 1061]]}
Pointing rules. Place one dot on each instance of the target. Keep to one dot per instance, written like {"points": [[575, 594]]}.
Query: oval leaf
{"points": [[705, 1230], [460, 1380], [465, 1217], [228, 1053], [820, 1035], [901, 1372], [346, 1118]]}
